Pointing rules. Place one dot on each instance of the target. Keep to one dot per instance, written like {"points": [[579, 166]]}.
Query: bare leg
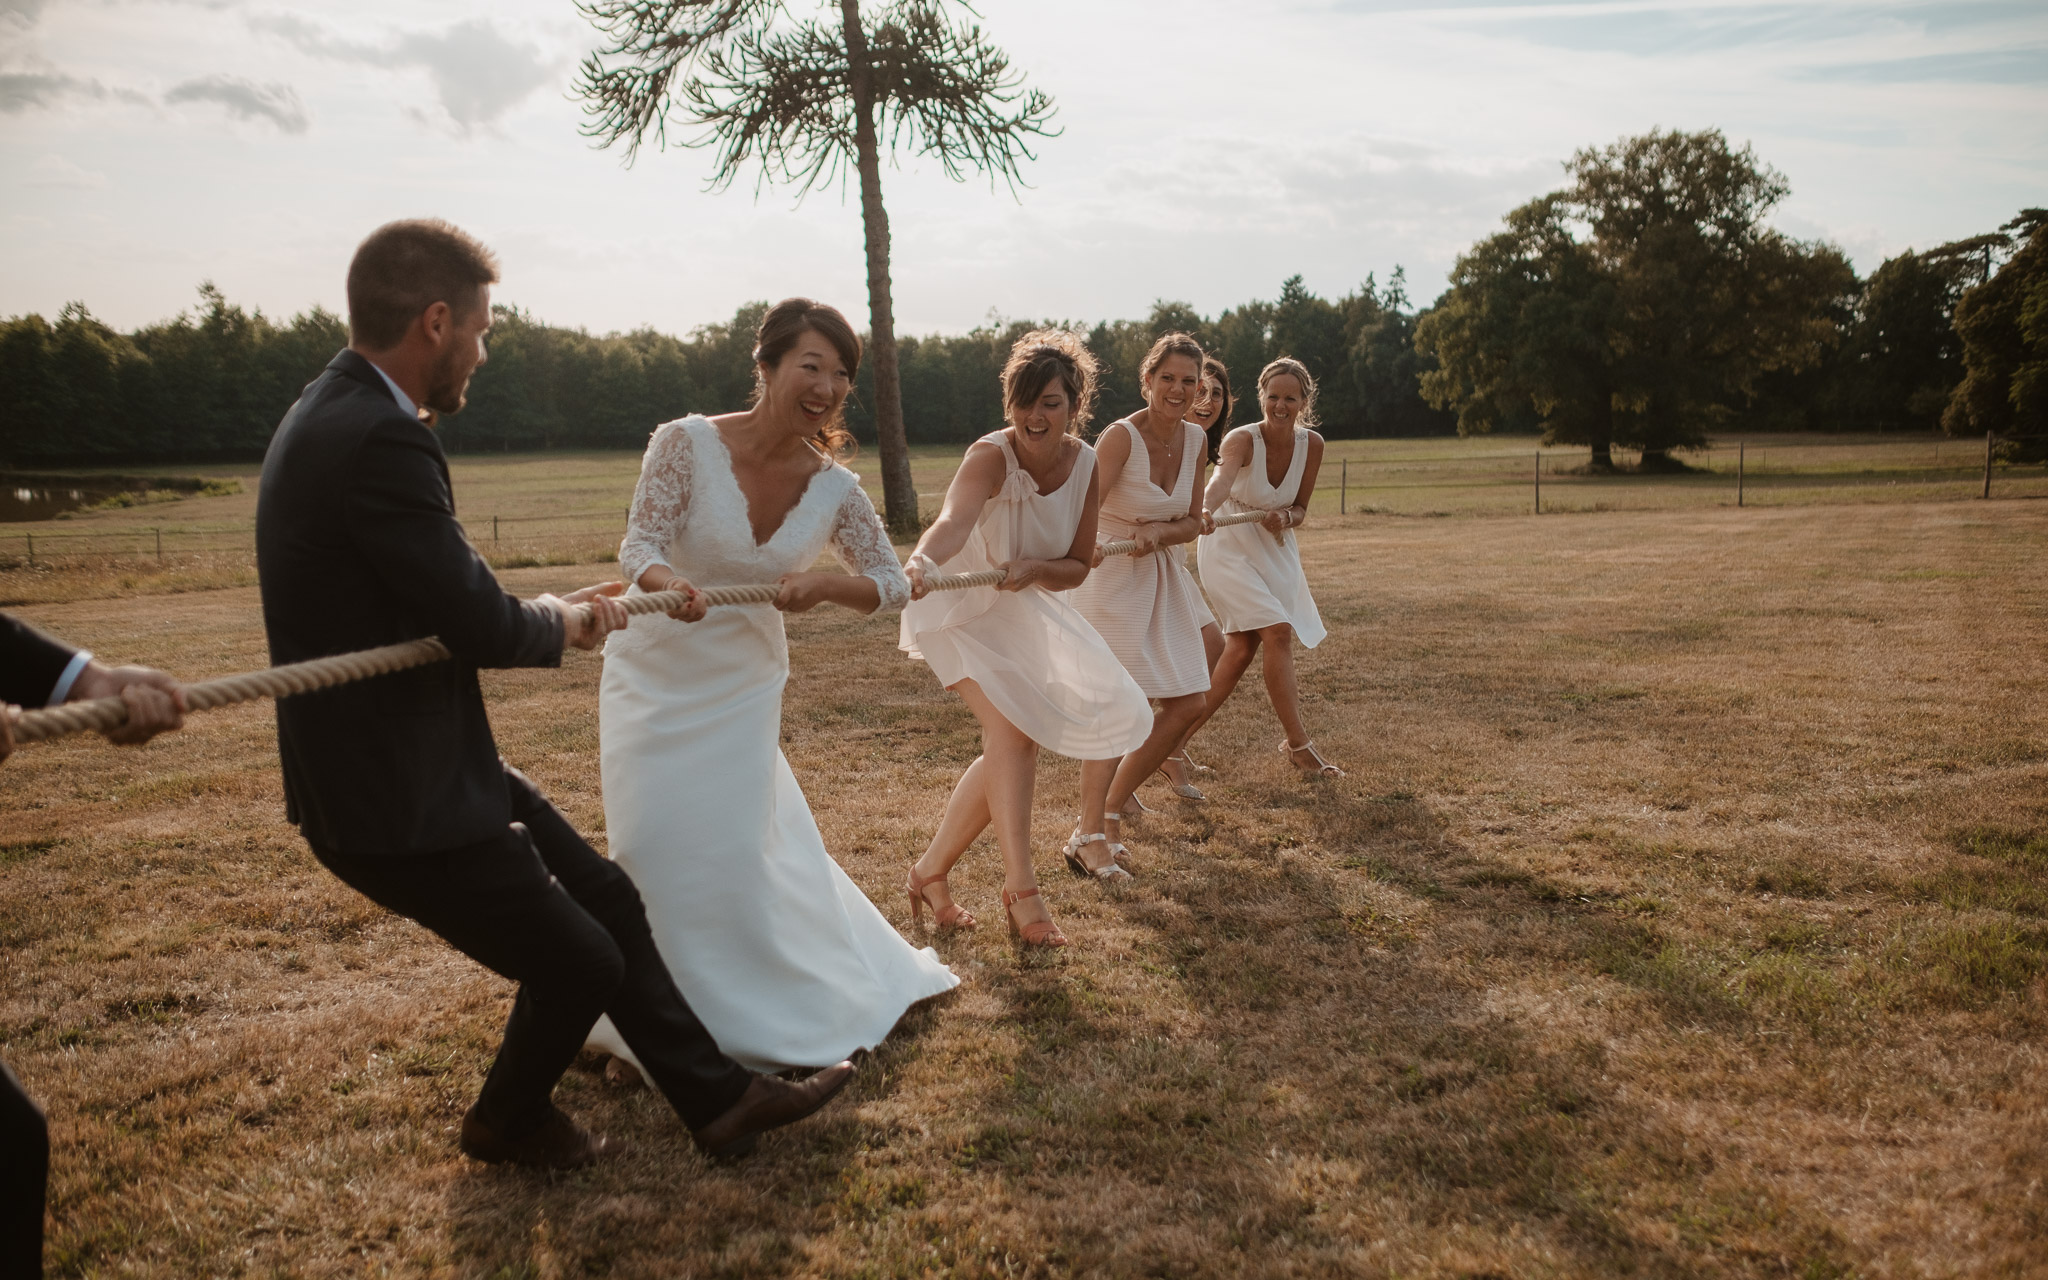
{"points": [[966, 817], [1169, 725], [1278, 640], [1176, 766], [1008, 777], [1231, 663], [1096, 776]]}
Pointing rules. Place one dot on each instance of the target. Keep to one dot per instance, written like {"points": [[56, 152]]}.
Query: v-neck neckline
{"points": [[747, 504], [1265, 452], [1010, 446], [1164, 492]]}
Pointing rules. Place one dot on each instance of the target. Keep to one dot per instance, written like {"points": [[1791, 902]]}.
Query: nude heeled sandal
{"points": [[1185, 790], [1039, 933], [1108, 871], [950, 916], [1321, 769]]}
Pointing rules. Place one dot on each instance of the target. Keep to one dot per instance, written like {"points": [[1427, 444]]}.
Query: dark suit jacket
{"points": [[30, 663], [357, 546]]}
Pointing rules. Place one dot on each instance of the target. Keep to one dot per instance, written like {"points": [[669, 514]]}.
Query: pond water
{"points": [[44, 502]]}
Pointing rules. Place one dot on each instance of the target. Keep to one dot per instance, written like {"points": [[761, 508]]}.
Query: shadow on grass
{"points": [[665, 1200], [1353, 1091]]}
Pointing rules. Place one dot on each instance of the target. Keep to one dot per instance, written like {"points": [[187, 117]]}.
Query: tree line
{"points": [[212, 383]]}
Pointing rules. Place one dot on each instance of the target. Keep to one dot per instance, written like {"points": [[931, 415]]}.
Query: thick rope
{"points": [[102, 714]]}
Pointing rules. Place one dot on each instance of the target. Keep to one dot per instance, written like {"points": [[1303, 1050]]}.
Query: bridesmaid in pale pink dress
{"points": [[1147, 605], [1212, 414], [1030, 668]]}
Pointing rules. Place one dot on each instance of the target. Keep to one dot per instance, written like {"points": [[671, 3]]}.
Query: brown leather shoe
{"points": [[768, 1103], [559, 1143]]}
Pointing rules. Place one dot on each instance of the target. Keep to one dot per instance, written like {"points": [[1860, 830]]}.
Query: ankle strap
{"points": [[1018, 895]]}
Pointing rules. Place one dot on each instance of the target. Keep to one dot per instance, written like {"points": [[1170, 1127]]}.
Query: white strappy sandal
{"points": [[1185, 790], [1108, 872], [1321, 769]]}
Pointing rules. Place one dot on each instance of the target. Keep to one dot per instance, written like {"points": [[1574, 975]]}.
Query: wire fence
{"points": [[1368, 477]]}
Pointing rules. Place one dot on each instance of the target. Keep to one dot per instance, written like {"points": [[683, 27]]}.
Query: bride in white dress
{"points": [[781, 955]]}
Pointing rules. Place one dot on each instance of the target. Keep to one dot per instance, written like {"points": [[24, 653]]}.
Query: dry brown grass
{"points": [[1685, 913]]}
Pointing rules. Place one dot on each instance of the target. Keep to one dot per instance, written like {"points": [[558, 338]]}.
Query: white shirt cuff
{"points": [[62, 689]]}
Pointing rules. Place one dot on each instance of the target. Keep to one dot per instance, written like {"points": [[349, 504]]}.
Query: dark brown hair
{"points": [[1040, 357], [405, 267], [1168, 346], [1213, 368], [784, 325], [1299, 372]]}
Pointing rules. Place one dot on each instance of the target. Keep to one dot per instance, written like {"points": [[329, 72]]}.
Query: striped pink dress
{"points": [[1148, 607]]}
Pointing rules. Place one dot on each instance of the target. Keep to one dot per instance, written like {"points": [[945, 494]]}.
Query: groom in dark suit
{"points": [[396, 782]]}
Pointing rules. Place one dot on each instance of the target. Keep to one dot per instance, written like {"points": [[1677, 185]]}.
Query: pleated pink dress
{"points": [[1148, 607], [1038, 660]]}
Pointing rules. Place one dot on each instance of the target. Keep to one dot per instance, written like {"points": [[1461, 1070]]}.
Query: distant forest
{"points": [[1883, 353], [212, 383]]}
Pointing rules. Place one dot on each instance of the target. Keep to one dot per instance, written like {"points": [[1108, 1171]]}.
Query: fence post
{"points": [[1741, 451], [494, 528], [159, 545], [1343, 483], [31, 549], [1539, 482], [1987, 464]]}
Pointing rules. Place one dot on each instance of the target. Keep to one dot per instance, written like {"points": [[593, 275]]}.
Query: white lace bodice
{"points": [[690, 516]]}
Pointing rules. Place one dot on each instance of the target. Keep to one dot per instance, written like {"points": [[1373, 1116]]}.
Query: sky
{"points": [[1209, 149]]}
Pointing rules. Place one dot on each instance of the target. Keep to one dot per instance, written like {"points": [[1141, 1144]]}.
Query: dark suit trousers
{"points": [[24, 1177], [538, 905]]}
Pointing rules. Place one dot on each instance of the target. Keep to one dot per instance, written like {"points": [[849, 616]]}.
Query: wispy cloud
{"points": [[477, 71], [33, 90], [246, 100]]}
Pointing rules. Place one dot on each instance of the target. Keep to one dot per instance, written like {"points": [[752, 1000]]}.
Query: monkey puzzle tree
{"points": [[806, 98]]}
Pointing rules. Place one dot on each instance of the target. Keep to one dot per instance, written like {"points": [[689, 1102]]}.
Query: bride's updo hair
{"points": [[784, 325], [1042, 357]]}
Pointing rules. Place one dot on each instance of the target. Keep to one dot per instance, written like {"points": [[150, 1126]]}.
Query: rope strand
{"points": [[102, 714]]}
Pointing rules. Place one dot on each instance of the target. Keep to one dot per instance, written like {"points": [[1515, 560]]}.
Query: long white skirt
{"points": [[779, 953]]}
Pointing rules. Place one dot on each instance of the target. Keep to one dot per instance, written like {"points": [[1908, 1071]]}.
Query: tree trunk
{"points": [[899, 496], [1601, 433]]}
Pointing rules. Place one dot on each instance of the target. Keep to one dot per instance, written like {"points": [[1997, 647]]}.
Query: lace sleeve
{"points": [[862, 545], [661, 502]]}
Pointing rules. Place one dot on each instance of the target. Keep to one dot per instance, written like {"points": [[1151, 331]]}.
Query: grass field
{"points": [[1685, 914], [570, 508]]}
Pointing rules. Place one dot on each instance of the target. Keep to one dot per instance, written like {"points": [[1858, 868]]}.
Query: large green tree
{"points": [[2003, 328], [809, 98], [1640, 305]]}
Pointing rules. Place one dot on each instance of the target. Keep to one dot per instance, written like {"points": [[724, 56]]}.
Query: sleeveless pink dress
{"points": [[1148, 607], [1254, 577], [1037, 659]]}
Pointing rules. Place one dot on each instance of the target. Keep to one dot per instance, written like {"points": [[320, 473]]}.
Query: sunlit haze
{"points": [[1210, 149]]}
